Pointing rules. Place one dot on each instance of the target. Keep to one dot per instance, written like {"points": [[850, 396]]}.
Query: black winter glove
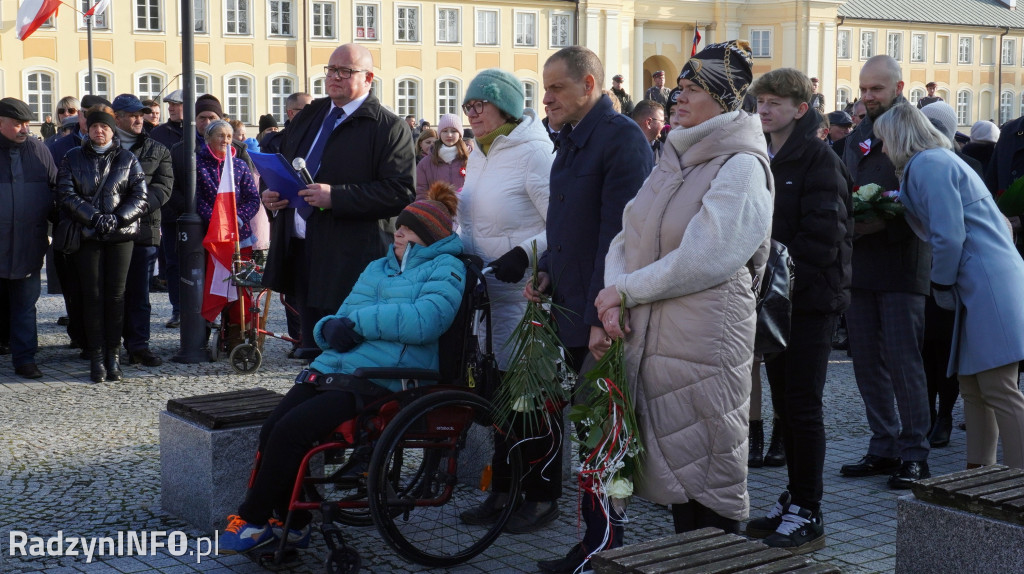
{"points": [[511, 266], [341, 334], [104, 223]]}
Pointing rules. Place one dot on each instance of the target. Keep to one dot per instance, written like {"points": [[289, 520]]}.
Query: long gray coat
{"points": [[949, 206]]}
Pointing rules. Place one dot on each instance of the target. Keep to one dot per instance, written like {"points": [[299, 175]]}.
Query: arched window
{"points": [[842, 98], [148, 86], [239, 99], [202, 84], [447, 97], [280, 88], [963, 108], [915, 95], [39, 94], [1005, 107], [319, 89], [376, 88], [530, 101], [101, 88], [407, 98]]}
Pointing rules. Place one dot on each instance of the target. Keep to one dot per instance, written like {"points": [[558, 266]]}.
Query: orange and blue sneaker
{"points": [[240, 536], [297, 537]]}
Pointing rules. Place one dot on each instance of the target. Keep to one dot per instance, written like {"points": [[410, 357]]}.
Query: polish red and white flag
{"points": [[97, 8], [220, 241], [32, 14]]}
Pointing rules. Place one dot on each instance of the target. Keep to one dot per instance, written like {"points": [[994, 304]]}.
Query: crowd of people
{"points": [[666, 206]]}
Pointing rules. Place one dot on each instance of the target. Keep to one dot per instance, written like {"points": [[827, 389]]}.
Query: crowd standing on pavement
{"points": [[667, 203]]}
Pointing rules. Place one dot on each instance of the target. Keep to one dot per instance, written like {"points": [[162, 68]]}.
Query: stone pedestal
{"points": [[932, 538], [204, 473]]}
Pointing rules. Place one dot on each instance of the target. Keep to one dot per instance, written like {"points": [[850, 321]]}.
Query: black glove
{"points": [[511, 266], [341, 335], [104, 222]]}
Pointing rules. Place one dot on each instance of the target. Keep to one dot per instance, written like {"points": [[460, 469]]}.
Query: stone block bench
{"points": [[207, 445], [968, 521], [704, 551]]}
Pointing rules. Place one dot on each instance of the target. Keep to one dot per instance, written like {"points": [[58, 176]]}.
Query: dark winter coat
{"points": [[123, 192], [155, 159], [813, 218], [167, 133], [370, 164], [599, 167], [28, 177], [894, 259], [61, 145]]}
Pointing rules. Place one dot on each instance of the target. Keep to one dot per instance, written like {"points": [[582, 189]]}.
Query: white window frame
{"points": [[961, 41], [456, 98], [843, 96], [369, 33], [530, 99], [553, 17], [318, 86], [438, 27], [150, 93], [101, 22], [148, 5], [328, 26], [963, 108], [949, 47], [840, 55], [376, 86], [44, 107], [279, 21], [416, 30], [914, 39], [238, 22], [229, 100], [530, 42], [1005, 101], [401, 108], [477, 12], [1008, 57], [202, 24], [755, 48], [277, 99], [916, 94], [207, 79], [896, 52], [866, 49], [82, 75]]}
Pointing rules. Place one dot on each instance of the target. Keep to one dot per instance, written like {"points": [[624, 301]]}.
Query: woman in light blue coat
{"points": [[976, 272]]}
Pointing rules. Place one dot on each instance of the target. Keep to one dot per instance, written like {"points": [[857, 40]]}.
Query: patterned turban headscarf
{"points": [[723, 70]]}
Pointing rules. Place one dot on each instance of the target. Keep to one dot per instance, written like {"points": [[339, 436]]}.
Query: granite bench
{"points": [[967, 521], [704, 551], [207, 445]]}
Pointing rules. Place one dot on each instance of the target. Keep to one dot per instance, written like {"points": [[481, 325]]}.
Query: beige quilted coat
{"points": [[704, 212]]}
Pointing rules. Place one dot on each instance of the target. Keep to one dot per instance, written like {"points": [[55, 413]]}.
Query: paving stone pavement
{"points": [[84, 459]]}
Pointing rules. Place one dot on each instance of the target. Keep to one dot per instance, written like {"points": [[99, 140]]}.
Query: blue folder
{"points": [[279, 176]]}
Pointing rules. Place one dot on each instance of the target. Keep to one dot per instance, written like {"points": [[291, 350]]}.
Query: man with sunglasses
{"points": [[361, 158]]}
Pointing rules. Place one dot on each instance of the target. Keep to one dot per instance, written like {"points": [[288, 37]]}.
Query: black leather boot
{"points": [[112, 362], [776, 455], [97, 372], [755, 438]]}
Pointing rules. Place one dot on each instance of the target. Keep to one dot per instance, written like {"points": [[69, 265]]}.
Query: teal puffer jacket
{"points": [[400, 311]]}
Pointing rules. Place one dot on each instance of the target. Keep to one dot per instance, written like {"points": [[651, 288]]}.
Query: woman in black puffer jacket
{"points": [[103, 187]]}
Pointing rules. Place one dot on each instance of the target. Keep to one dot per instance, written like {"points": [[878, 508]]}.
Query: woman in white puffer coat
{"points": [[502, 212]]}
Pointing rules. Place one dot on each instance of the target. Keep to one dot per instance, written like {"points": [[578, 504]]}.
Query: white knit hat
{"points": [[984, 131], [942, 117]]}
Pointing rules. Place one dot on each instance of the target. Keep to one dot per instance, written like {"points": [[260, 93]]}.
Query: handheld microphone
{"points": [[299, 165]]}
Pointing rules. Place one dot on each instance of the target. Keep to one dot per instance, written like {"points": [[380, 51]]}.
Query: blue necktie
{"points": [[317, 152]]}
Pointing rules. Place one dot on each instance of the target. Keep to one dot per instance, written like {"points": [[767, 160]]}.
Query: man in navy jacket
{"points": [[603, 159]]}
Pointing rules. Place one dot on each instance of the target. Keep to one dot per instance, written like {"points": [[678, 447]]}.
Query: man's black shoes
{"points": [[871, 465], [911, 472]]}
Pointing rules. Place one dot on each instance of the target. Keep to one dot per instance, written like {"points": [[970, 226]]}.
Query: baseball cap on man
{"points": [[128, 103], [16, 109]]}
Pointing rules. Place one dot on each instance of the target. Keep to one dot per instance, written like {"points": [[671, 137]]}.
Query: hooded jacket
{"points": [[681, 261], [813, 218], [123, 192], [504, 204], [400, 309]]}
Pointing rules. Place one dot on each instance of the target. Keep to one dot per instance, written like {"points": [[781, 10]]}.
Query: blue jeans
{"points": [[22, 295], [137, 309]]}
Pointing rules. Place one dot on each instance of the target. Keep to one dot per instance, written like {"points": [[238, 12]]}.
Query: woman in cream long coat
{"points": [[691, 240]]}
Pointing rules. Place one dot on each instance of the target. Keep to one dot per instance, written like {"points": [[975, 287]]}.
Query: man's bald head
{"points": [[881, 81], [356, 54], [354, 61]]}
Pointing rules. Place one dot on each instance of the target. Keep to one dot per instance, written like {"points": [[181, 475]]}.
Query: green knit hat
{"points": [[500, 88]]}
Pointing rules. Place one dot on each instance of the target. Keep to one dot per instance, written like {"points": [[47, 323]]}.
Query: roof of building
{"points": [[986, 13]]}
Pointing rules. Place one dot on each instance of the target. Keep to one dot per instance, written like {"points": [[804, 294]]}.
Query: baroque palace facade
{"points": [[253, 53]]}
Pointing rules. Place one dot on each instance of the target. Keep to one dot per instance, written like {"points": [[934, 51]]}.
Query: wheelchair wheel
{"points": [[427, 469], [341, 480], [245, 358]]}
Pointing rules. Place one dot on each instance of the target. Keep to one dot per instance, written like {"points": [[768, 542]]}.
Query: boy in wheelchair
{"points": [[394, 315]]}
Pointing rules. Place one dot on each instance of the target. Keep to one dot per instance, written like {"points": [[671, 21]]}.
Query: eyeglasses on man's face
{"points": [[474, 108], [341, 73]]}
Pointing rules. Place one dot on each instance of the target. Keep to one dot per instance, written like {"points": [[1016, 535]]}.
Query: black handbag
{"points": [[774, 302], [67, 235]]}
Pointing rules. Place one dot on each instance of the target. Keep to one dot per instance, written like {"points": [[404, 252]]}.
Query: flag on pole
{"points": [[696, 40], [220, 242], [97, 8], [32, 14]]}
